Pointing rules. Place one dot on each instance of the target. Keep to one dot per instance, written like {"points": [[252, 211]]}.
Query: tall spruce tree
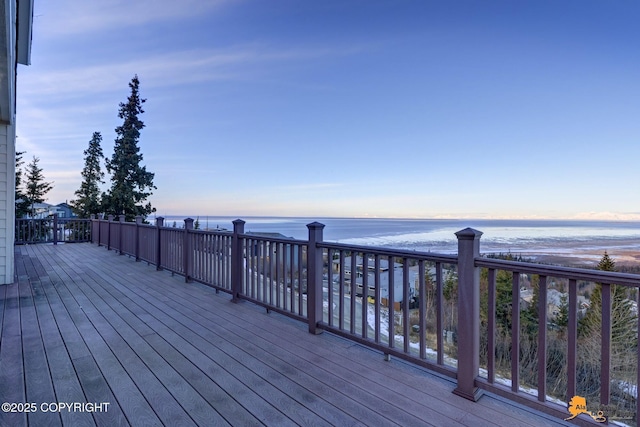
{"points": [[22, 204], [623, 319], [88, 195], [131, 184], [623, 344], [36, 186]]}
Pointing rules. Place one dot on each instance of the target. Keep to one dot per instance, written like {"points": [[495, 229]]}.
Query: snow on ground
{"points": [[384, 331]]}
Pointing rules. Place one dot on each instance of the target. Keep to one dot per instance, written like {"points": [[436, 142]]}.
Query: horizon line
{"points": [[593, 218]]}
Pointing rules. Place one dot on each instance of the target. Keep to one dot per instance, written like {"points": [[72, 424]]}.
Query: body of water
{"points": [[515, 236]]}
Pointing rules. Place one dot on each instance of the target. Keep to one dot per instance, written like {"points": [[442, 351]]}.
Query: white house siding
{"points": [[7, 201], [16, 23]]}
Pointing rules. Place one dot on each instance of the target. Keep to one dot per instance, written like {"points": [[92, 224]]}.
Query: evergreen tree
{"points": [[622, 318], [36, 187], [606, 263], [529, 321], [504, 291], [450, 294], [623, 336], [131, 184], [562, 319], [22, 205], [88, 195]]}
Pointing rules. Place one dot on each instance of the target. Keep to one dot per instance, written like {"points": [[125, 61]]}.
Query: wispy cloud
{"points": [[171, 69], [310, 187], [72, 17], [161, 70], [64, 105]]}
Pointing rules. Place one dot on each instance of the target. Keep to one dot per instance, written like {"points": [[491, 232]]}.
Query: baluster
{"points": [[515, 333], [572, 339], [542, 338], [422, 308], [491, 326]]}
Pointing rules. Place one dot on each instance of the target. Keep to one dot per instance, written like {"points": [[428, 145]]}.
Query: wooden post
{"points": [[110, 219], [137, 237], [92, 217], [159, 224], [55, 228], [186, 254], [468, 314], [314, 278], [237, 257], [100, 218], [121, 233]]}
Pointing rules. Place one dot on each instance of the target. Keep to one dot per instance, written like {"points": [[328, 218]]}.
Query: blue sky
{"points": [[464, 109]]}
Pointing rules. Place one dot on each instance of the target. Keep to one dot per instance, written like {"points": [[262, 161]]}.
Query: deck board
{"points": [[262, 376], [83, 324], [171, 380], [132, 403], [222, 368], [38, 382], [285, 377], [76, 376], [11, 357]]}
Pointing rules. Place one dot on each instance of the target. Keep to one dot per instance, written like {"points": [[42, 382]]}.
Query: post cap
{"points": [[468, 234]]}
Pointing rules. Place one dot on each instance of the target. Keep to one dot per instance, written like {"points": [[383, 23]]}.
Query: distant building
{"points": [[40, 210], [554, 303], [385, 275], [64, 210], [45, 210]]}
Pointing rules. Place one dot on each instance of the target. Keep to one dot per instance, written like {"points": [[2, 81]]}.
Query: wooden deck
{"points": [[82, 324]]}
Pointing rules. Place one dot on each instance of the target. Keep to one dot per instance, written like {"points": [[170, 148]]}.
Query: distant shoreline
{"points": [[622, 257], [248, 218]]}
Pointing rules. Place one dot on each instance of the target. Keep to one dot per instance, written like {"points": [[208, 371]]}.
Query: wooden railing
{"points": [[52, 230], [606, 377], [444, 312]]}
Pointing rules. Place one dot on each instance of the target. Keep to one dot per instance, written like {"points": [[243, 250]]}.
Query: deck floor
{"points": [[85, 325]]}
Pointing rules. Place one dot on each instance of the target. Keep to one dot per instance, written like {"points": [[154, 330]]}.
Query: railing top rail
{"points": [[116, 220], [50, 217], [214, 232], [166, 227], [274, 239], [610, 277], [427, 256]]}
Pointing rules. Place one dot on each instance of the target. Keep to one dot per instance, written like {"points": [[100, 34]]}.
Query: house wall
{"points": [[7, 202]]}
